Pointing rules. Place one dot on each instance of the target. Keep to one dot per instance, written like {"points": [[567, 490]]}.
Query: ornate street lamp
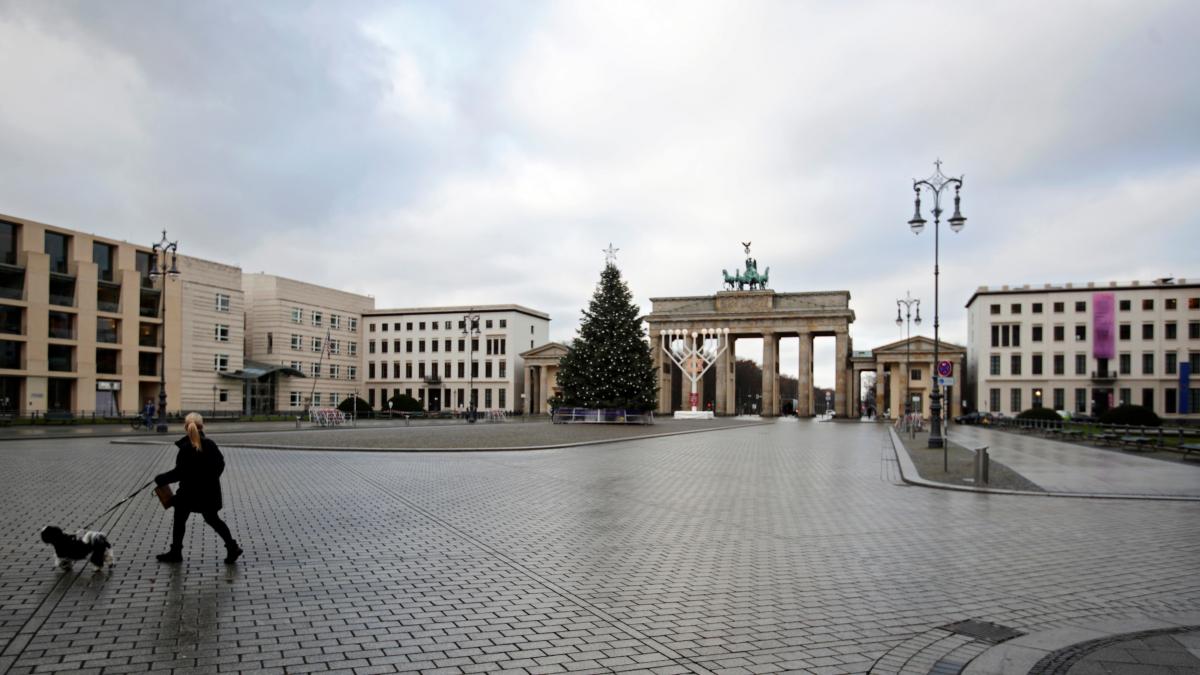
{"points": [[908, 303], [160, 268], [471, 330], [935, 184]]}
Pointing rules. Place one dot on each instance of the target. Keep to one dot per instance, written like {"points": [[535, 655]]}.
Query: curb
{"points": [[907, 469], [516, 448], [1039, 653]]}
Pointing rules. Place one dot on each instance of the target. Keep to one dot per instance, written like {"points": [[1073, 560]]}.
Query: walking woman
{"points": [[198, 468]]}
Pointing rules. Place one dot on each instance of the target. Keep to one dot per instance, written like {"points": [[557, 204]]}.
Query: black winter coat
{"points": [[198, 473]]}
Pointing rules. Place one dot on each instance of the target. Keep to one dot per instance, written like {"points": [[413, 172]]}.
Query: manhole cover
{"points": [[983, 630]]}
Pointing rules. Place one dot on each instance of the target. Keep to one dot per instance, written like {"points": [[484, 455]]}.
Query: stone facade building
{"points": [[1084, 348], [424, 353]]}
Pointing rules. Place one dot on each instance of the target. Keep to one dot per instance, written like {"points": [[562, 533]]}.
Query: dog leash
{"points": [[114, 506]]}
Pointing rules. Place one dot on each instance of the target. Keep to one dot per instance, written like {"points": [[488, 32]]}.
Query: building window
{"points": [[503, 398], [994, 400], [1148, 303], [1015, 365], [335, 321], [433, 345], [446, 374], [335, 346], [352, 348], [1172, 363], [1058, 308], [220, 362], [995, 309], [1123, 332], [1037, 308], [371, 327], [487, 397], [371, 370], [408, 326], [57, 245], [1148, 399], [1080, 305], [994, 364], [1171, 303], [396, 326], [1035, 368], [1148, 363], [1170, 330], [421, 369], [503, 324], [353, 324], [396, 346], [370, 346], [1081, 364], [1080, 332], [317, 319], [1125, 364], [1060, 399], [1015, 403], [1193, 401], [421, 346], [1016, 308], [316, 398], [296, 365], [1147, 331], [396, 369], [487, 323], [421, 325], [408, 370], [223, 395], [1125, 396], [1036, 333], [221, 333], [383, 327], [316, 370], [334, 371], [296, 341], [294, 399], [222, 302], [462, 370], [1059, 333], [487, 368], [1060, 366], [297, 315], [383, 346], [1194, 330], [1081, 400], [1125, 305], [1170, 401], [462, 345], [352, 372], [503, 370], [449, 344]]}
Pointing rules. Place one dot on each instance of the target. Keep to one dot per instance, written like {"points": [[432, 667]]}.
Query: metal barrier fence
{"points": [[1115, 434]]}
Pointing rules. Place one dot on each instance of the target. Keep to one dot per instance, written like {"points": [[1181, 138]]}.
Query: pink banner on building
{"points": [[1104, 325]]}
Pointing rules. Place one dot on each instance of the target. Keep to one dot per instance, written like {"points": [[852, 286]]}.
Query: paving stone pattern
{"points": [[772, 548]]}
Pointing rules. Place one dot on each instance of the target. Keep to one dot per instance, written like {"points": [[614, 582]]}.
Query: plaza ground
{"points": [[792, 545]]}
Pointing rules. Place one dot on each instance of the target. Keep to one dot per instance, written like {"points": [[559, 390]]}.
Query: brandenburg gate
{"points": [[758, 313]]}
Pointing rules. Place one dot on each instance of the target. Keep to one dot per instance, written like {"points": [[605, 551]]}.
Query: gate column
{"points": [[841, 399], [770, 376], [804, 376]]}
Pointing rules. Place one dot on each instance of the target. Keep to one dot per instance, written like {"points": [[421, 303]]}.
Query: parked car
{"points": [[974, 418]]}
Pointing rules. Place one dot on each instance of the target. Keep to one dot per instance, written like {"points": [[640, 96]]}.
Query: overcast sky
{"points": [[485, 152]]}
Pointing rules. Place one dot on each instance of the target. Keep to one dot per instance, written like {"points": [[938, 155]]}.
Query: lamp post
{"points": [[214, 408], [908, 301], [935, 184], [471, 330], [159, 268]]}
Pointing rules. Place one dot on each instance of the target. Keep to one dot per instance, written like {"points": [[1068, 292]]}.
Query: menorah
{"points": [[694, 359]]}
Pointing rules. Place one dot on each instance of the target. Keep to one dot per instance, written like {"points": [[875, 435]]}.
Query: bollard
{"points": [[981, 465], [297, 422]]}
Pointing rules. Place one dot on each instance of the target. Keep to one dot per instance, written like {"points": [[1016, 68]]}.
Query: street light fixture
{"points": [[935, 184], [908, 301], [160, 269], [470, 329]]}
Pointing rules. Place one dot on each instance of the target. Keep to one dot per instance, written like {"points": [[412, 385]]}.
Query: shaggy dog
{"points": [[87, 544]]}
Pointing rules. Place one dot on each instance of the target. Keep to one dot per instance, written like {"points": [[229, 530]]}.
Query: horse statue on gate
{"points": [[750, 278]]}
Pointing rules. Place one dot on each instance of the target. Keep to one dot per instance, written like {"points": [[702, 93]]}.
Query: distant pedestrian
{"points": [[198, 468], [148, 413]]}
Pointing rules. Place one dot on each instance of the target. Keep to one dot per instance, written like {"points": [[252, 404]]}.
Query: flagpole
{"points": [[320, 362]]}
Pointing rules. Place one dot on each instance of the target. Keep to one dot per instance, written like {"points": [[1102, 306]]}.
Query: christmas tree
{"points": [[609, 365]]}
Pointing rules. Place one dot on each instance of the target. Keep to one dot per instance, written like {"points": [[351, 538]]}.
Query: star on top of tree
{"points": [[610, 254]]}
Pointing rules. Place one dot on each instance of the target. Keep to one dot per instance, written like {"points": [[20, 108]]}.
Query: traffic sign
{"points": [[946, 381], [945, 368]]}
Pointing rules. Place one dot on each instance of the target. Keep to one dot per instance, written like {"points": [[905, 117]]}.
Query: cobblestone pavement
{"points": [[788, 546], [515, 434]]}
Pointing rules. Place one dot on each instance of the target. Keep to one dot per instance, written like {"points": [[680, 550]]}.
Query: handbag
{"points": [[165, 495]]}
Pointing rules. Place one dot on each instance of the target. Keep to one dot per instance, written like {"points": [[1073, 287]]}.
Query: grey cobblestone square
{"points": [[759, 549]]}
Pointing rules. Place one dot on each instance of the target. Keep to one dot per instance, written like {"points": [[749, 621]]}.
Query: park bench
{"points": [[1137, 442], [1107, 438], [1188, 448]]}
